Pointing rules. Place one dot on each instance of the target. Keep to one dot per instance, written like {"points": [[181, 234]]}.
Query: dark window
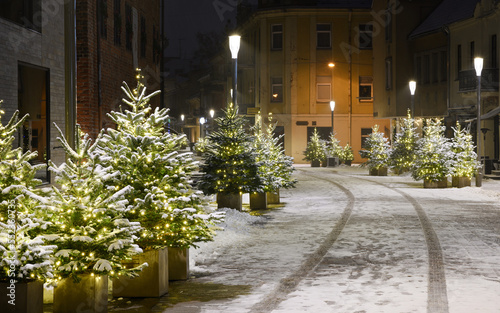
{"points": [[102, 14], [277, 89], [472, 54], [277, 37], [143, 37], [444, 66], [365, 88], [365, 36], [33, 99], [365, 133], [435, 67], [117, 21], [426, 69], [418, 69], [323, 36], [459, 59], [323, 132], [128, 26], [493, 52], [26, 13]]}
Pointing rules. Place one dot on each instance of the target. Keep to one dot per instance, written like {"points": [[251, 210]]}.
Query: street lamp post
{"points": [[413, 86], [234, 46], [332, 107], [478, 65], [202, 122]]}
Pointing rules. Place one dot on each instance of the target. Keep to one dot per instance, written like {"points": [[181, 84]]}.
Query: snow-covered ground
{"points": [[343, 241]]}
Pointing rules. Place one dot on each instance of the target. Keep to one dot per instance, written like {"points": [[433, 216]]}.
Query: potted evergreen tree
{"points": [[404, 146], [433, 164], [26, 260], [334, 151], [230, 168], [377, 152], [464, 161], [315, 150], [172, 213], [347, 155], [93, 237]]}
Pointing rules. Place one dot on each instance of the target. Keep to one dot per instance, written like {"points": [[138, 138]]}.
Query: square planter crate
{"points": [[258, 200], [152, 280], [178, 263], [89, 295], [229, 200], [24, 297], [273, 197]]}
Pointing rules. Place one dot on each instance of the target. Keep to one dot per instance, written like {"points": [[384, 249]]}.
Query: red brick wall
{"points": [[116, 61]]}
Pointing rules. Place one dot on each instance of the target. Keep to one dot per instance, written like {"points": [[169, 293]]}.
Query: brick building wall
{"points": [[110, 38], [42, 49]]}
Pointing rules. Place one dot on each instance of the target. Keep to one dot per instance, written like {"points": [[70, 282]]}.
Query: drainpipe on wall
{"points": [[99, 76], [70, 70], [446, 31], [349, 94]]}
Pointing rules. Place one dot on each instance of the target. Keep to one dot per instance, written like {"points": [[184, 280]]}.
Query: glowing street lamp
{"points": [[234, 46], [202, 121], [478, 65], [413, 86], [212, 113], [332, 107]]}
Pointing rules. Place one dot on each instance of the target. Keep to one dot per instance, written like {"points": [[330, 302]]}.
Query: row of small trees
{"points": [[129, 191], [318, 150], [431, 158], [236, 162]]}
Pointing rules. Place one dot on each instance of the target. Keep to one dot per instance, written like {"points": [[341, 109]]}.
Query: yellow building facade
{"points": [[285, 68]]}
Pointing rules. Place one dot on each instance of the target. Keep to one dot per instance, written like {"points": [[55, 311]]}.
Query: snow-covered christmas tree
{"points": [[275, 168], [230, 165], [346, 154], [464, 162], [316, 149], [434, 155], [333, 147], [25, 255], [377, 150], [404, 145], [146, 157], [90, 229]]}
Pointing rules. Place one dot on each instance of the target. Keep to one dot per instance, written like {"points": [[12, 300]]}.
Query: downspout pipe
{"points": [[70, 70]]}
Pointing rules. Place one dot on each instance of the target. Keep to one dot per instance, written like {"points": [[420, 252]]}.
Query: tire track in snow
{"points": [[437, 298], [289, 283]]}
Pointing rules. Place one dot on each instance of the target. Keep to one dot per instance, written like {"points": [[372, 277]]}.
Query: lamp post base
{"points": [[479, 179]]}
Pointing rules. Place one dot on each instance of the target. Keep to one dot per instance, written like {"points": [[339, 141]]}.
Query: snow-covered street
{"points": [[343, 241]]}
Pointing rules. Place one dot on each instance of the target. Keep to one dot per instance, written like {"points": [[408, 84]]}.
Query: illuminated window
{"points": [[323, 89]]}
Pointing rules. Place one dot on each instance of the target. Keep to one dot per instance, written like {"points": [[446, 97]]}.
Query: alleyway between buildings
{"points": [[343, 241]]}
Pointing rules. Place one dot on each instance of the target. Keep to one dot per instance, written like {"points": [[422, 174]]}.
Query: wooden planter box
{"points": [[273, 197], [21, 297], [315, 163], [229, 200], [381, 171], [436, 184], [332, 162], [258, 200], [178, 263], [89, 295], [348, 163], [460, 182], [152, 280]]}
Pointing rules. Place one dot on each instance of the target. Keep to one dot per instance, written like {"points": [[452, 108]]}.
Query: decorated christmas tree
{"points": [[346, 154], [464, 162], [404, 146], [377, 150], [145, 156], [434, 156], [230, 165], [25, 254], [90, 229], [315, 150], [275, 168], [333, 147]]}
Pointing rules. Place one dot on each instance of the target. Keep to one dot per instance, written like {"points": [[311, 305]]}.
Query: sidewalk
{"points": [[343, 241]]}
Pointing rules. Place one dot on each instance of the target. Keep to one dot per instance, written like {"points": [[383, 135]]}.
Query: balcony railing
{"points": [[468, 80]]}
